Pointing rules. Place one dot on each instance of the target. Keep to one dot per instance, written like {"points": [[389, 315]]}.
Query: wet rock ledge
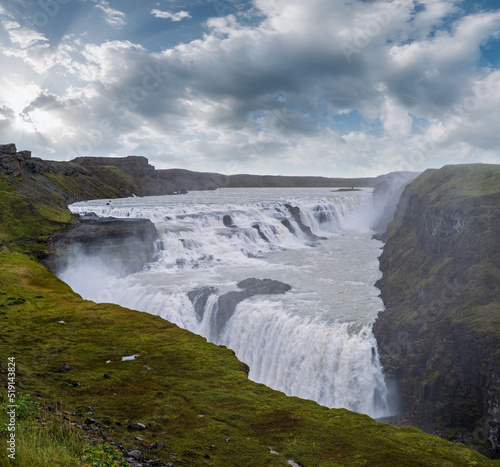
{"points": [[124, 245]]}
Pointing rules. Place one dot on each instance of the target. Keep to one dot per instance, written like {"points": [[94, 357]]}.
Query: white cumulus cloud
{"points": [[113, 17], [22, 36], [272, 95], [179, 16]]}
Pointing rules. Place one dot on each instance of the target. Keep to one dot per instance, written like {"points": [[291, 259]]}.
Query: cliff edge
{"points": [[439, 337]]}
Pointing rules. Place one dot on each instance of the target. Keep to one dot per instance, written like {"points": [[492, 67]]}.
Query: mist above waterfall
{"points": [[311, 338], [385, 198]]}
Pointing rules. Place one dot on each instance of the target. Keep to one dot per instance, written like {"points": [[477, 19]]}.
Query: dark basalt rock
{"points": [[8, 149], [263, 286], [261, 234], [124, 245], [228, 221], [136, 454], [136, 427], [10, 162], [227, 303], [199, 299], [288, 225], [295, 212]]}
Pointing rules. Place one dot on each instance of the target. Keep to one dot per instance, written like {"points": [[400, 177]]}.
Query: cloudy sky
{"points": [[323, 87]]}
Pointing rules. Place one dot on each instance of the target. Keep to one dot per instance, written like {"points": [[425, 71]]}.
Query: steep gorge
{"points": [[439, 337], [193, 398]]}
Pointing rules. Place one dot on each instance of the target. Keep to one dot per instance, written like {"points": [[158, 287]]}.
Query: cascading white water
{"points": [[313, 342]]}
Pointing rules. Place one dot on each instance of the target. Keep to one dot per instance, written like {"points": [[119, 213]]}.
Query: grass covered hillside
{"points": [[181, 400]]}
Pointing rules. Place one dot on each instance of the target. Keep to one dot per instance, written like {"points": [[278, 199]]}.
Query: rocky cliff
{"points": [[439, 337], [144, 180], [124, 245], [150, 181], [56, 183]]}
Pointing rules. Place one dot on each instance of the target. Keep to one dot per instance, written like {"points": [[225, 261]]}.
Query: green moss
{"points": [[116, 177], [459, 181], [23, 217], [469, 192]]}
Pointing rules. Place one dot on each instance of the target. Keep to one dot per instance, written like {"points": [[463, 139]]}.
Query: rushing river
{"points": [[315, 341]]}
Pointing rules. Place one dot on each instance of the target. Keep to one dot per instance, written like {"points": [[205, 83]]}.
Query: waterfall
{"points": [[314, 341]]}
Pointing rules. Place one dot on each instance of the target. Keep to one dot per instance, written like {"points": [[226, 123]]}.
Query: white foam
{"points": [[314, 342]]}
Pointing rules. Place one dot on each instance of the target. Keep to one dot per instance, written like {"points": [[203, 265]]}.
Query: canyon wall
{"points": [[439, 336]]}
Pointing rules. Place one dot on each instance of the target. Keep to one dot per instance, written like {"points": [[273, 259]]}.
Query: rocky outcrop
{"points": [[11, 160], [250, 287], [124, 245], [137, 165], [306, 230], [227, 303], [15, 163], [50, 182], [439, 337], [199, 298]]}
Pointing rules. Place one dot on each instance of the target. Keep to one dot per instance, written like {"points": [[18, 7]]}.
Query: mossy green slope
{"points": [[193, 396], [450, 233], [35, 205], [24, 217]]}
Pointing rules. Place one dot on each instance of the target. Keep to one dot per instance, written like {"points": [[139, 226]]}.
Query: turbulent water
{"points": [[314, 341]]}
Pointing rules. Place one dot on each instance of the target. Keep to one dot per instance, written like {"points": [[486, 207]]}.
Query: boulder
{"points": [[136, 427], [228, 221], [136, 454]]}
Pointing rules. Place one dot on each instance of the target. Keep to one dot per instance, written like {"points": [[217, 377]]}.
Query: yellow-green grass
{"points": [[44, 438]]}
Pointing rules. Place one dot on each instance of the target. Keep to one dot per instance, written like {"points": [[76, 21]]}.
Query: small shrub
{"points": [[104, 455]]}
